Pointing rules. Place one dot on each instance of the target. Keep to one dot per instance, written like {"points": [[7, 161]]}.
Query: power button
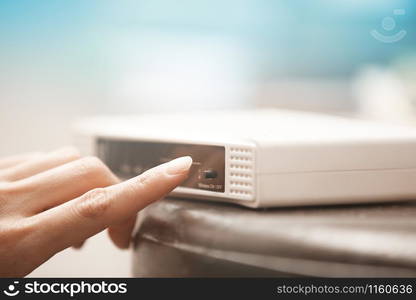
{"points": [[210, 174]]}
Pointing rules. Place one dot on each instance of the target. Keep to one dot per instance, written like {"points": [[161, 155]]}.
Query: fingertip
{"points": [[179, 166]]}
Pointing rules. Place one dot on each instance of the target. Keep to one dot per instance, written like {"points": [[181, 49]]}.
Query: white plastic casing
{"points": [[282, 158]]}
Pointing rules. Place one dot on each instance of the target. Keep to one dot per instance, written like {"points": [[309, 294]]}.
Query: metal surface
{"points": [[192, 238]]}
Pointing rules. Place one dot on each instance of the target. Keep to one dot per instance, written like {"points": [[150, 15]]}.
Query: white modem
{"points": [[263, 158]]}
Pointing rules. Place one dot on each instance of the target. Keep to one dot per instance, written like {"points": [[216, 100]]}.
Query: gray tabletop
{"points": [[195, 238]]}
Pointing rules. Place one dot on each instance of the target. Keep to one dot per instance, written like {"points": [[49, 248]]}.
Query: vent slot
{"points": [[241, 173]]}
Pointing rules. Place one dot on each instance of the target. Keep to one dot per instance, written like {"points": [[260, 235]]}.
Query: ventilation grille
{"points": [[241, 173]]}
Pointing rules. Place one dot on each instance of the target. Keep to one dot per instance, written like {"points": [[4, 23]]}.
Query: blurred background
{"points": [[64, 60]]}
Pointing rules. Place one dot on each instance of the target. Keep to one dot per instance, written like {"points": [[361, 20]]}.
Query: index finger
{"points": [[78, 219]]}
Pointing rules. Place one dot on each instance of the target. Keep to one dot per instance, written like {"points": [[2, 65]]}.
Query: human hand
{"points": [[52, 201]]}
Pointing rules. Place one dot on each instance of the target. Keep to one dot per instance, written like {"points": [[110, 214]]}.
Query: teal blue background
{"points": [[286, 38]]}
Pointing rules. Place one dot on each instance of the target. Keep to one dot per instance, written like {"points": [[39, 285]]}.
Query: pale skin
{"points": [[52, 201]]}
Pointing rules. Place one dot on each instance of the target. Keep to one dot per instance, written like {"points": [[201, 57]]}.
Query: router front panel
{"points": [[217, 172]]}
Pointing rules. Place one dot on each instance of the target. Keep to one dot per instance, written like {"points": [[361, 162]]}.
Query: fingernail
{"points": [[179, 165]]}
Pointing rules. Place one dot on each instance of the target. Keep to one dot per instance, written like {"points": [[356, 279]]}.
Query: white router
{"points": [[263, 158]]}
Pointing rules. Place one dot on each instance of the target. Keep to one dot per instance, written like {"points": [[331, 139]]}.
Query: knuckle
{"points": [[93, 166], [13, 231], [147, 177], [93, 203], [12, 195], [143, 178], [8, 191]]}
